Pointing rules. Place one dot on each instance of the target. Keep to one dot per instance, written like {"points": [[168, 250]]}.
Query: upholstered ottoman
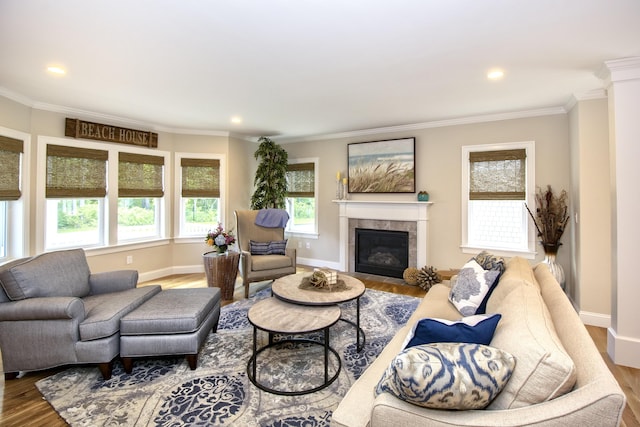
{"points": [[173, 322]]}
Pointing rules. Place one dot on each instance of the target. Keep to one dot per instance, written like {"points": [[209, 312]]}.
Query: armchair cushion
{"points": [[103, 312], [270, 262], [51, 274]]}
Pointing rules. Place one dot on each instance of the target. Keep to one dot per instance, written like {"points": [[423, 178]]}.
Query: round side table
{"points": [[221, 270]]}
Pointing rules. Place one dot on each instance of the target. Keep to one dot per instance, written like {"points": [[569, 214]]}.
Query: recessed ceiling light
{"points": [[236, 119], [495, 74], [56, 70]]}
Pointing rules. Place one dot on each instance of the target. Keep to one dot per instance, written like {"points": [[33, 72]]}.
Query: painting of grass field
{"points": [[382, 166]]}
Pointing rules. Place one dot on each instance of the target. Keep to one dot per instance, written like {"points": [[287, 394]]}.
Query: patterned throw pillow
{"points": [[476, 329], [277, 247], [258, 248], [471, 286], [448, 375], [489, 261]]}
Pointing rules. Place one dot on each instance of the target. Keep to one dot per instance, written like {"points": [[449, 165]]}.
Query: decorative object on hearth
{"points": [[423, 196], [551, 219], [339, 189], [410, 275], [428, 276], [271, 176]]}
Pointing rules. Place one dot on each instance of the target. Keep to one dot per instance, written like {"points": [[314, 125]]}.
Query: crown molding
{"points": [[619, 70], [426, 125]]}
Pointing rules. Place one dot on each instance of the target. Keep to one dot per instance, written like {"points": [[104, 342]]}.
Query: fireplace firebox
{"points": [[381, 252]]}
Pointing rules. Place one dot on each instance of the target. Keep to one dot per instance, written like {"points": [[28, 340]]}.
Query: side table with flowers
{"points": [[221, 265]]}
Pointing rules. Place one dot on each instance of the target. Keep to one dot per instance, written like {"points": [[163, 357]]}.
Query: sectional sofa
{"points": [[559, 378]]}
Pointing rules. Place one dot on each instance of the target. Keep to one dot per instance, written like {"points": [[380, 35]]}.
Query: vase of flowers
{"points": [[220, 239], [551, 219]]}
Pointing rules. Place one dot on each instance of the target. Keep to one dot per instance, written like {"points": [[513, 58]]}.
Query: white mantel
{"points": [[384, 210]]}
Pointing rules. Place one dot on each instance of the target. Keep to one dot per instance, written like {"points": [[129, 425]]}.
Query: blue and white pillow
{"points": [[448, 375], [470, 288], [477, 329]]}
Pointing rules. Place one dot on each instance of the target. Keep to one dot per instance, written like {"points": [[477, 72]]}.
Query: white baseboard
{"points": [[318, 263], [623, 350], [168, 271], [595, 319]]}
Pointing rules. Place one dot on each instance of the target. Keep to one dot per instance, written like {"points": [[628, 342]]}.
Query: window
{"points": [[96, 194], [497, 181], [140, 192], [201, 191], [301, 198], [11, 150], [76, 185]]}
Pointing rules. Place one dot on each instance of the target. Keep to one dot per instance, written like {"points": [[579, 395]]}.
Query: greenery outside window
{"points": [[140, 192], [200, 183], [301, 200], [497, 181]]}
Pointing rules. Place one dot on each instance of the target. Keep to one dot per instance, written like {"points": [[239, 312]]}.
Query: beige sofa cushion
{"points": [[544, 370]]}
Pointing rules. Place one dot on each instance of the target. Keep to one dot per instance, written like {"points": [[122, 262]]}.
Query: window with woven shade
{"points": [[497, 181], [140, 175], [10, 158], [200, 203], [301, 200], [74, 172]]}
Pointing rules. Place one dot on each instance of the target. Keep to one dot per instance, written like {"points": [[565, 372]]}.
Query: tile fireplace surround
{"points": [[383, 215]]}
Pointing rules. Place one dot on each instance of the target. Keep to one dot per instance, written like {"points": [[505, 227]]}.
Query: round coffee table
{"points": [[278, 317], [287, 289]]}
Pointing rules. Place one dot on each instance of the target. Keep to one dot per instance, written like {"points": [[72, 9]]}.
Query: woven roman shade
{"points": [[301, 180], [497, 175], [200, 177], [140, 175], [10, 151], [76, 172]]}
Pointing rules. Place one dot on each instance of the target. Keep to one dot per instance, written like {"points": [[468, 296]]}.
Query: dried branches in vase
{"points": [[551, 219]]}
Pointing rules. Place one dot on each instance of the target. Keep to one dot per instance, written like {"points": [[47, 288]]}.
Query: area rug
{"points": [[165, 392]]}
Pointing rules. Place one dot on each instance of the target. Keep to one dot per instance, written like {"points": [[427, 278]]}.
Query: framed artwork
{"points": [[382, 166]]}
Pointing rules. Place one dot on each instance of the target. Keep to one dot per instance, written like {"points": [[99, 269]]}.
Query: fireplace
{"points": [[381, 252]]}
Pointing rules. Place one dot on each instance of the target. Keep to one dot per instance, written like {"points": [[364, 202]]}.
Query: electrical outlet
{"points": [[308, 245], [299, 245], [129, 259]]}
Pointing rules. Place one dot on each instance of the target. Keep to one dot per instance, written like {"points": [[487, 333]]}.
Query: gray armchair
{"points": [[254, 267], [54, 311]]}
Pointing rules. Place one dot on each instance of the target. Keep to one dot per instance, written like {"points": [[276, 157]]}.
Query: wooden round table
{"points": [[287, 289], [278, 317]]}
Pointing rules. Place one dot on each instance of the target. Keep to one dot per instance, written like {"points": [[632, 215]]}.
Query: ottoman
{"points": [[172, 322]]}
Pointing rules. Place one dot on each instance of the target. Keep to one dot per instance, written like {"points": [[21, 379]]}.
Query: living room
{"points": [[584, 144]]}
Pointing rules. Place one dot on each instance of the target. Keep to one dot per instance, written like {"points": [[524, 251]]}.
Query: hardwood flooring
{"points": [[23, 405]]}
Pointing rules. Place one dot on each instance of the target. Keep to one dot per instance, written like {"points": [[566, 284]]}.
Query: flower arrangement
{"points": [[219, 238], [551, 217]]}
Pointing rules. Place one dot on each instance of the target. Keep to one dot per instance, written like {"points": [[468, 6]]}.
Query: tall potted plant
{"points": [[270, 180]]}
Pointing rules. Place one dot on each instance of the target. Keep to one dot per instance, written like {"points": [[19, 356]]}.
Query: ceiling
{"points": [[294, 69]]}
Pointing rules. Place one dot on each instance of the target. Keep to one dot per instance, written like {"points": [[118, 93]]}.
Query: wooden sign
{"points": [[76, 128]]}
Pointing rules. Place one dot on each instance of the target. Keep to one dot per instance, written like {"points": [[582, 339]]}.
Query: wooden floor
{"points": [[23, 405]]}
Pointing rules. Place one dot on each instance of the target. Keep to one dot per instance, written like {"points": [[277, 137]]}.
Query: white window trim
{"points": [[316, 165], [177, 209], [530, 199], [110, 231], [18, 212]]}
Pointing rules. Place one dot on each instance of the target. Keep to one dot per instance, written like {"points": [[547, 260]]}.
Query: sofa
{"points": [[559, 377], [54, 311]]}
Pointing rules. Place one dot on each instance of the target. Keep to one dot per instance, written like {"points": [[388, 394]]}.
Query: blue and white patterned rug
{"points": [[165, 392]]}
